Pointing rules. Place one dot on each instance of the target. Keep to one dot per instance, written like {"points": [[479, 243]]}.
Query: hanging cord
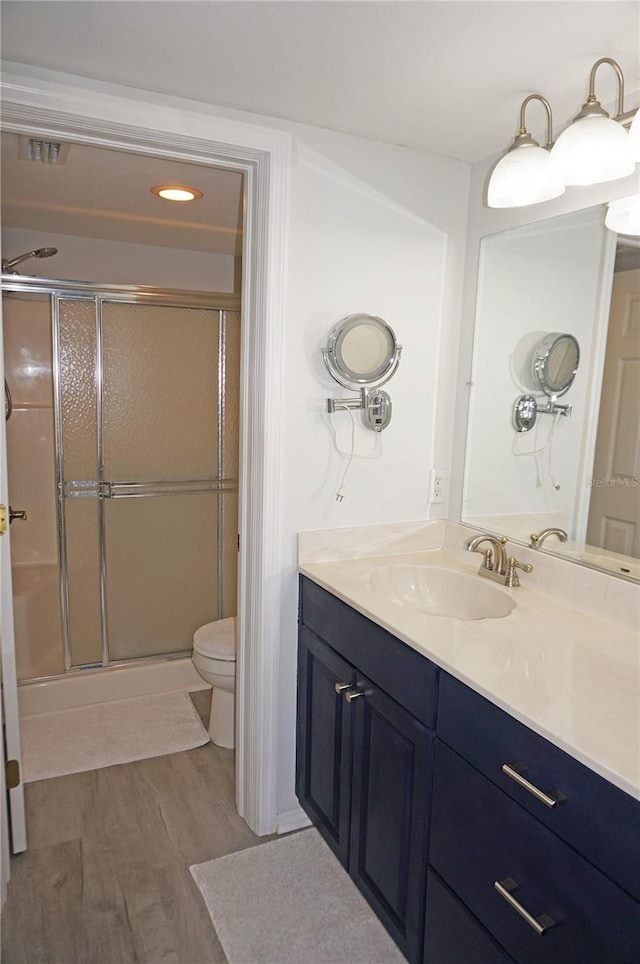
{"points": [[554, 483], [546, 447], [351, 455]]}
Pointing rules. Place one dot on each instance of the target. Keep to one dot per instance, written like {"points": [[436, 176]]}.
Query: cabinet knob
{"points": [[351, 695], [341, 687]]}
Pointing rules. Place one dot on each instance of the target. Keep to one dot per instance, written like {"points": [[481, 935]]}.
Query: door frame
{"points": [[46, 104]]}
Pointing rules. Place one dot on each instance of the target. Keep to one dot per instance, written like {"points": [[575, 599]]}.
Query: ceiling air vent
{"points": [[42, 149]]}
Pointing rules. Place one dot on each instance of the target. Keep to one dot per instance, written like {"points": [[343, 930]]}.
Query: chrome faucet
{"points": [[495, 558], [537, 538]]}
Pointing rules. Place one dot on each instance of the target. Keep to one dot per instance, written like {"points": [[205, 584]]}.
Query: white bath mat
{"points": [[290, 902], [103, 734]]}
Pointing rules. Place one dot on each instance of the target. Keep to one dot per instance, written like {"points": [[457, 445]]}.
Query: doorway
{"points": [[264, 157]]}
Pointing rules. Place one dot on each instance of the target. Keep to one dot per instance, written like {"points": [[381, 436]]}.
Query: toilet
{"points": [[214, 657]]}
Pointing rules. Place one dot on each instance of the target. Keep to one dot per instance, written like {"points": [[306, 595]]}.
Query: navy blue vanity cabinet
{"points": [[496, 845], [366, 707]]}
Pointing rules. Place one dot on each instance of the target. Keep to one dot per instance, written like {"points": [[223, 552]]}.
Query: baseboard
{"points": [[292, 820]]}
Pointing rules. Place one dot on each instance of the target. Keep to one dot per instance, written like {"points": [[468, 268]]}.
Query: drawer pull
{"points": [[540, 924], [341, 687], [515, 771], [351, 695]]}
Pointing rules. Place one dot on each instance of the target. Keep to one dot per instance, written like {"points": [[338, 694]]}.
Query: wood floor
{"points": [[105, 879]]}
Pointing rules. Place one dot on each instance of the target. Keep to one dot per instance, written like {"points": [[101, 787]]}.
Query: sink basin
{"points": [[441, 592]]}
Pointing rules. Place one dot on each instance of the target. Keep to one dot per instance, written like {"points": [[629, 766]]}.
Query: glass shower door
{"points": [[150, 533]]}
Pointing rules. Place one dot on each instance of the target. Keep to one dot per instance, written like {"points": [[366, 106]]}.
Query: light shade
{"points": [[523, 176], [623, 215], [634, 137], [592, 150]]}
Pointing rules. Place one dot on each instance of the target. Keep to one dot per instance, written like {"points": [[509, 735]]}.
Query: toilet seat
{"points": [[217, 640]]}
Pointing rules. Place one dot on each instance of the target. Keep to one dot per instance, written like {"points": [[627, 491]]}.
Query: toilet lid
{"points": [[217, 639]]}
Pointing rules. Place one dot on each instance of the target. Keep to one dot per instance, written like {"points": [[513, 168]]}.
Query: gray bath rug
{"points": [[103, 734], [290, 902]]}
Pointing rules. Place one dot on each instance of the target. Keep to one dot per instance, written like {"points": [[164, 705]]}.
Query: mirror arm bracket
{"points": [[374, 404], [526, 411]]}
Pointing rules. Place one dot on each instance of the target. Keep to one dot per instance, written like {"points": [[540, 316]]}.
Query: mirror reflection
{"points": [[555, 363], [576, 471]]}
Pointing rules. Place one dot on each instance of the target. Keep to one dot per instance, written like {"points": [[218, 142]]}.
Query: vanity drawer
{"points": [[479, 835], [408, 677], [451, 934], [598, 819]]}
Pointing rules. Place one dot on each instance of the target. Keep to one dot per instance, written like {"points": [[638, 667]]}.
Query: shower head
{"points": [[10, 266]]}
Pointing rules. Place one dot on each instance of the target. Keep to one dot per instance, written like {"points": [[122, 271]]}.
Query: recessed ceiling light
{"points": [[176, 192]]}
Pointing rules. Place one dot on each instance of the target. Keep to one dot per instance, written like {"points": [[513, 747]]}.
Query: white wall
{"points": [[353, 248], [372, 228], [118, 262], [532, 281]]}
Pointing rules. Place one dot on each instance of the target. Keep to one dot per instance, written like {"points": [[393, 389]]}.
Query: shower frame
{"points": [[88, 292]]}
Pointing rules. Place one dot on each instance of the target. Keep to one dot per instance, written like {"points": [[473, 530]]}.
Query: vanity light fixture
{"points": [[525, 174], [593, 149], [623, 216], [634, 137], [176, 192]]}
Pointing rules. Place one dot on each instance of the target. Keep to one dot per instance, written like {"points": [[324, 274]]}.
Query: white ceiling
{"points": [[444, 77]]}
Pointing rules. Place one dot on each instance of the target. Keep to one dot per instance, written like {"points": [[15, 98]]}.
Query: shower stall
{"points": [[123, 454]]}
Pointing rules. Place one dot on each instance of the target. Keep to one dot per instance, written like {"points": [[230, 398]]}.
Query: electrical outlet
{"points": [[437, 486]]}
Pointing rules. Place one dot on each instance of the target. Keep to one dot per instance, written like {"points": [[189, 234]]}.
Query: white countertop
{"points": [[571, 676]]}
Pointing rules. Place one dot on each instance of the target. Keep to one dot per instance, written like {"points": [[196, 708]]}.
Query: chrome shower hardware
{"points": [[9, 265]]}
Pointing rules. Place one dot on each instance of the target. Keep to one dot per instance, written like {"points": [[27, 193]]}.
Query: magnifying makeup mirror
{"points": [[361, 354], [554, 363]]}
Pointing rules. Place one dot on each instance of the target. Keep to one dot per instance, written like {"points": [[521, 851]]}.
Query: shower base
{"points": [[111, 683]]}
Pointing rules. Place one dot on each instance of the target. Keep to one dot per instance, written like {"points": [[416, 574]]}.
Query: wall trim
{"points": [[292, 820], [121, 118]]}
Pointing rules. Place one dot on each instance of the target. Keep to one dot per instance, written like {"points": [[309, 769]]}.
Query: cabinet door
{"points": [[392, 764], [323, 761]]}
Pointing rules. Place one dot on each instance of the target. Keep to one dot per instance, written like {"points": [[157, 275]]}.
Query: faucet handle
{"points": [[511, 576], [487, 558]]}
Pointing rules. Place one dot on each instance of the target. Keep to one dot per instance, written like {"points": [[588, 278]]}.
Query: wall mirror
{"points": [[576, 286]]}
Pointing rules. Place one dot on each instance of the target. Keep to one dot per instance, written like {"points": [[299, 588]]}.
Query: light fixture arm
{"points": [[592, 83], [592, 106], [523, 133]]}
